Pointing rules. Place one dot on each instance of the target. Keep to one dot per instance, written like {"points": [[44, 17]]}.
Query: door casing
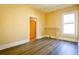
{"points": [[37, 27], [32, 29]]}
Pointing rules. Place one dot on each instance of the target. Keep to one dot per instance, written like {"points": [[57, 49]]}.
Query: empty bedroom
{"points": [[39, 29]]}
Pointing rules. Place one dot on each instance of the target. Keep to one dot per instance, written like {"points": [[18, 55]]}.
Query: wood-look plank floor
{"points": [[44, 46]]}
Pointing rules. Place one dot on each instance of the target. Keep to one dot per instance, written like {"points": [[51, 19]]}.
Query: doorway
{"points": [[33, 29]]}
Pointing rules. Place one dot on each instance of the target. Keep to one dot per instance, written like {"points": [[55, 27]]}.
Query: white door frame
{"points": [[37, 27]]}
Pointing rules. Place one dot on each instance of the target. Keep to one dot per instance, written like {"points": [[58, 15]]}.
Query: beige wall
{"points": [[14, 22], [54, 20], [78, 23]]}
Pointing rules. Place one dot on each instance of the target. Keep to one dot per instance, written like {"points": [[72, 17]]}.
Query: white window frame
{"points": [[76, 18]]}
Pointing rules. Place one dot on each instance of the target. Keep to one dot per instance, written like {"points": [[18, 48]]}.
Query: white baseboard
{"points": [[62, 38], [40, 37], [12, 44], [67, 39]]}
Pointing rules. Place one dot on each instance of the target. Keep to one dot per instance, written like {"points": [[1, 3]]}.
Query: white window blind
{"points": [[69, 23]]}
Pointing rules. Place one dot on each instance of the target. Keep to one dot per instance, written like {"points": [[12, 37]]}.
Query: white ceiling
{"points": [[49, 7]]}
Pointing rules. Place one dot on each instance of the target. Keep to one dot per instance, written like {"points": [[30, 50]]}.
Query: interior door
{"points": [[32, 29]]}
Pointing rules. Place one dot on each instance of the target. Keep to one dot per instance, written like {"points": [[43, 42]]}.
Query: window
{"points": [[69, 24]]}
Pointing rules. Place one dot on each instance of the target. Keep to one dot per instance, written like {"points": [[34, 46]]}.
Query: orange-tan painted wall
{"points": [[14, 22], [54, 20]]}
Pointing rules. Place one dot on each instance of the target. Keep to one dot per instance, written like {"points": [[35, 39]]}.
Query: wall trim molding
{"points": [[12, 44], [62, 38], [67, 39], [40, 37]]}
